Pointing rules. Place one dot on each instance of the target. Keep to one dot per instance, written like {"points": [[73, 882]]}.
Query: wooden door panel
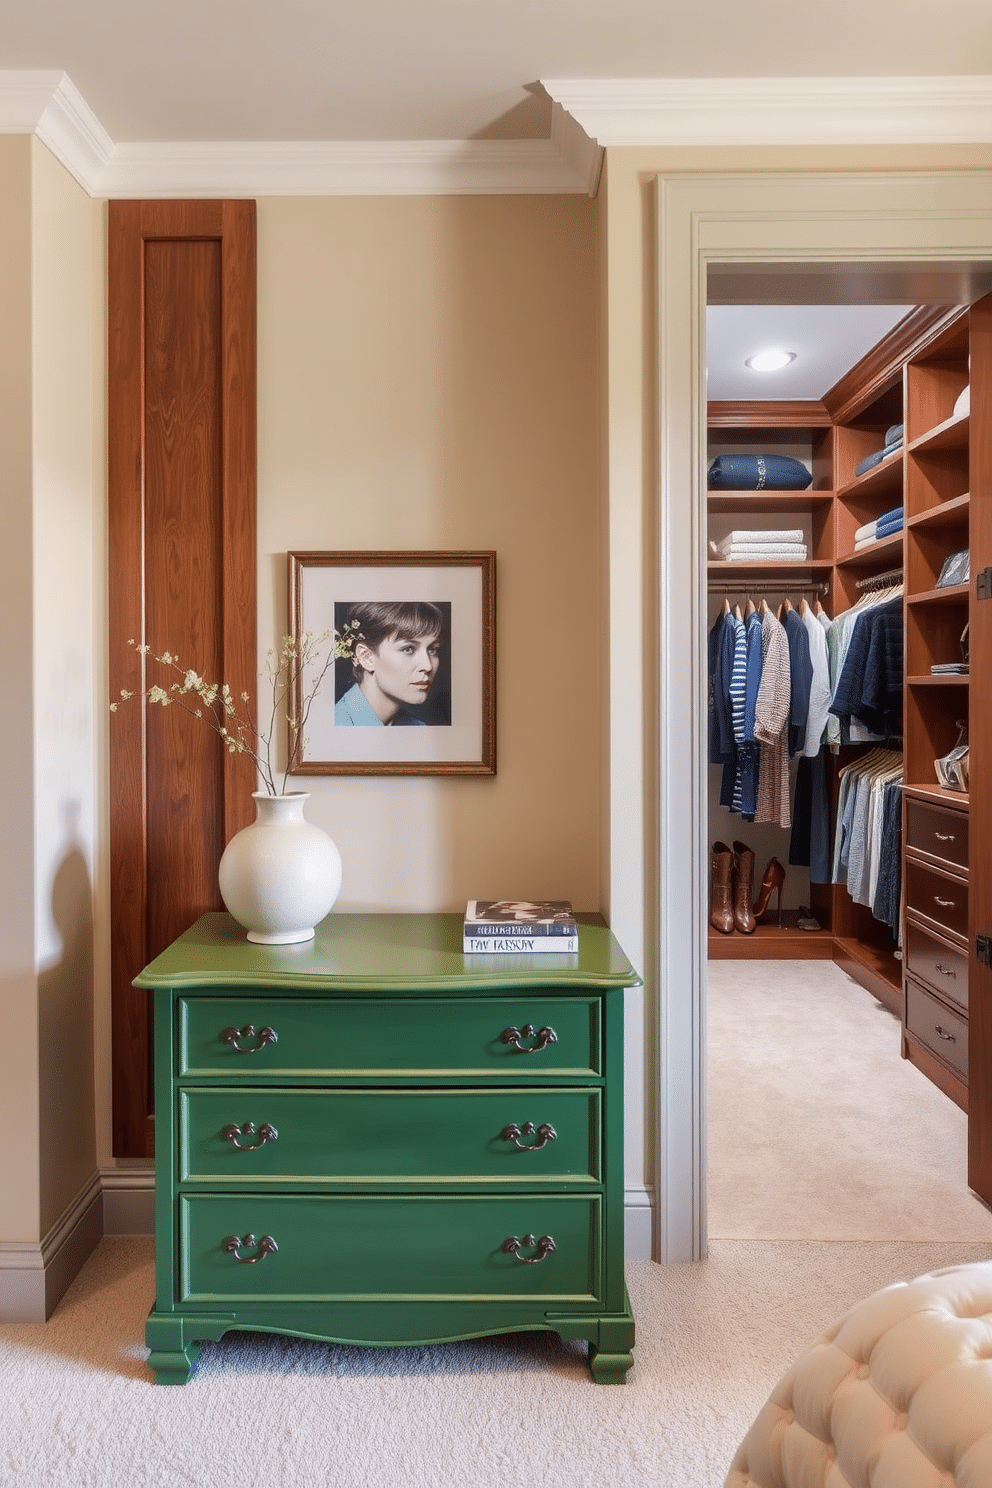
{"points": [[182, 567]]}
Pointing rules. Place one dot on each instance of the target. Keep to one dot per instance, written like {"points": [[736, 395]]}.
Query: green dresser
{"points": [[372, 1138]]}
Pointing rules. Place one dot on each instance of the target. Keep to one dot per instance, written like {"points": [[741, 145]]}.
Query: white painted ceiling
{"points": [[350, 70], [827, 341]]}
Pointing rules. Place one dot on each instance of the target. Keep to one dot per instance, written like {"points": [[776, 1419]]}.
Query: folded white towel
{"points": [[793, 535], [755, 552], [867, 531]]}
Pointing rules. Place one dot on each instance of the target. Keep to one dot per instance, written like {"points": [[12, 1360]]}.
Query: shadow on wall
{"points": [[67, 1117]]}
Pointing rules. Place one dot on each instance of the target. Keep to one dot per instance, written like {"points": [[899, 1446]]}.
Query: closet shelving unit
{"points": [[911, 377], [939, 472]]}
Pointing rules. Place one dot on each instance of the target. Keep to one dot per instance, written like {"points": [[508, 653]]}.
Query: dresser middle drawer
{"points": [[933, 961], [941, 899], [246, 1135]]}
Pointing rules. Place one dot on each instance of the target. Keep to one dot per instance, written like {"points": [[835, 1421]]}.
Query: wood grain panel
{"points": [[980, 741], [182, 567]]}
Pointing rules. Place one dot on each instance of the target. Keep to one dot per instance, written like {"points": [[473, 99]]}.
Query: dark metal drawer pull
{"points": [[944, 903], [943, 1033], [513, 1245], [545, 1132], [264, 1036], [265, 1133], [944, 836], [234, 1246], [945, 970], [544, 1036]]}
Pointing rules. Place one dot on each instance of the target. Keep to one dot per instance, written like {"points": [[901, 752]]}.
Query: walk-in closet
{"points": [[845, 503]]}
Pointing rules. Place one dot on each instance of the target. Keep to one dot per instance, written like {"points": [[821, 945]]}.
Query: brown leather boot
{"points": [[743, 884], [721, 901]]}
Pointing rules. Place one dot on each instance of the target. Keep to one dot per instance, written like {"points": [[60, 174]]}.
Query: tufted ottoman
{"points": [[896, 1394]]}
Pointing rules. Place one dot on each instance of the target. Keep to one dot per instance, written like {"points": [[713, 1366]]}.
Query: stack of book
{"points": [[520, 926]]}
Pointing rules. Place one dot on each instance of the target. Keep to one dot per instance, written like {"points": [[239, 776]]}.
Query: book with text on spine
{"points": [[522, 945], [535, 919]]}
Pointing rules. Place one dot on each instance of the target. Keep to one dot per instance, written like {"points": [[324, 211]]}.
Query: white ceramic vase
{"points": [[281, 875]]}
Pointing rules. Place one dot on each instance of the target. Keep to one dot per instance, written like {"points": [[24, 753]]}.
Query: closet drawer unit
{"points": [[937, 897], [529, 1037], [943, 1032], [250, 1136], [934, 962], [939, 833]]}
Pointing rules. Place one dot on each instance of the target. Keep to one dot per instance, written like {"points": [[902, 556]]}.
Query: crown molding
{"points": [[778, 111], [588, 116], [368, 168], [47, 104]]}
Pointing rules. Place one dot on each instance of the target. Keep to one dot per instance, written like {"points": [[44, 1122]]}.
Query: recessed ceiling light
{"points": [[772, 360]]}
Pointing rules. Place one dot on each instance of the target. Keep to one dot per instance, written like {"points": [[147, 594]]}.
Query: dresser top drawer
{"points": [[940, 833], [530, 1037]]}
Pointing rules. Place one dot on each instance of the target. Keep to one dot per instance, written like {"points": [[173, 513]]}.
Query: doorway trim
{"points": [[921, 218]]}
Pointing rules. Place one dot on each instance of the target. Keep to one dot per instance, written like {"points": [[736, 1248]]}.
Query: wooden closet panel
{"points": [[980, 757], [181, 576]]}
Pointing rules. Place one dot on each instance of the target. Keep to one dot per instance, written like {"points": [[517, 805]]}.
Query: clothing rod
{"points": [[876, 581], [769, 586]]}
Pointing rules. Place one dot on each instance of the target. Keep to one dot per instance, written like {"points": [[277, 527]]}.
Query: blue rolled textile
{"points": [[757, 473]]}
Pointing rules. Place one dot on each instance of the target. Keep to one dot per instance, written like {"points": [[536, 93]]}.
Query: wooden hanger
{"points": [[750, 608], [802, 606], [725, 610]]}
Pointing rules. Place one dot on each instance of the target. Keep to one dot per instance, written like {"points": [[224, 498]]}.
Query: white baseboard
{"points": [[638, 1224], [34, 1278]]}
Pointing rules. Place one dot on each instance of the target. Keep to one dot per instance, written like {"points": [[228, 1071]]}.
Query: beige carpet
{"points": [[817, 1128], [78, 1408]]}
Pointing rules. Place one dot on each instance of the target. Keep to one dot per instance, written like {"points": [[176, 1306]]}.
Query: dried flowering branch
{"points": [[296, 670]]}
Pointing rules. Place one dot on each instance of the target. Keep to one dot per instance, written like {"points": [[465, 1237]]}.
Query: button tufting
{"points": [[862, 1371]]}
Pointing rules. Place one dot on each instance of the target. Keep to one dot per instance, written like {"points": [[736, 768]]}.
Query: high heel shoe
{"points": [[721, 905], [772, 879], [744, 919]]}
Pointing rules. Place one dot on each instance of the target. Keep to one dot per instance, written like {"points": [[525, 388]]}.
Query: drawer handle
{"points": [[945, 970], [265, 1133], [545, 1132], [944, 836], [944, 903], [943, 1033], [513, 1245], [264, 1036], [544, 1036], [265, 1246]]}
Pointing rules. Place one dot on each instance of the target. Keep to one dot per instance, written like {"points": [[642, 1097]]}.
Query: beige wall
{"points": [[47, 1117], [19, 1136], [428, 380]]}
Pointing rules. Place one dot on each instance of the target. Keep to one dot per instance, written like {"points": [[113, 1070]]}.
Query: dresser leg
{"points": [[171, 1355], [609, 1369]]}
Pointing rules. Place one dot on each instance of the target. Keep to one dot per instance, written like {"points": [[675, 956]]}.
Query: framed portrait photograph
{"points": [[411, 686]]}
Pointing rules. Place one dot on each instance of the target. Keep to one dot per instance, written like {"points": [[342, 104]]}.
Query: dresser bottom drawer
{"points": [[943, 1032], [295, 1247]]}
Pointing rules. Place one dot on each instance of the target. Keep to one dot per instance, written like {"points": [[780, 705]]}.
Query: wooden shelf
{"points": [[953, 433], [937, 795], [886, 548], [956, 679], [886, 476], [879, 971], [951, 594], [734, 502], [772, 942], [952, 513], [812, 567]]}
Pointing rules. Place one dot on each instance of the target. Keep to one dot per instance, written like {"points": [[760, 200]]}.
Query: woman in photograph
{"points": [[396, 650]]}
